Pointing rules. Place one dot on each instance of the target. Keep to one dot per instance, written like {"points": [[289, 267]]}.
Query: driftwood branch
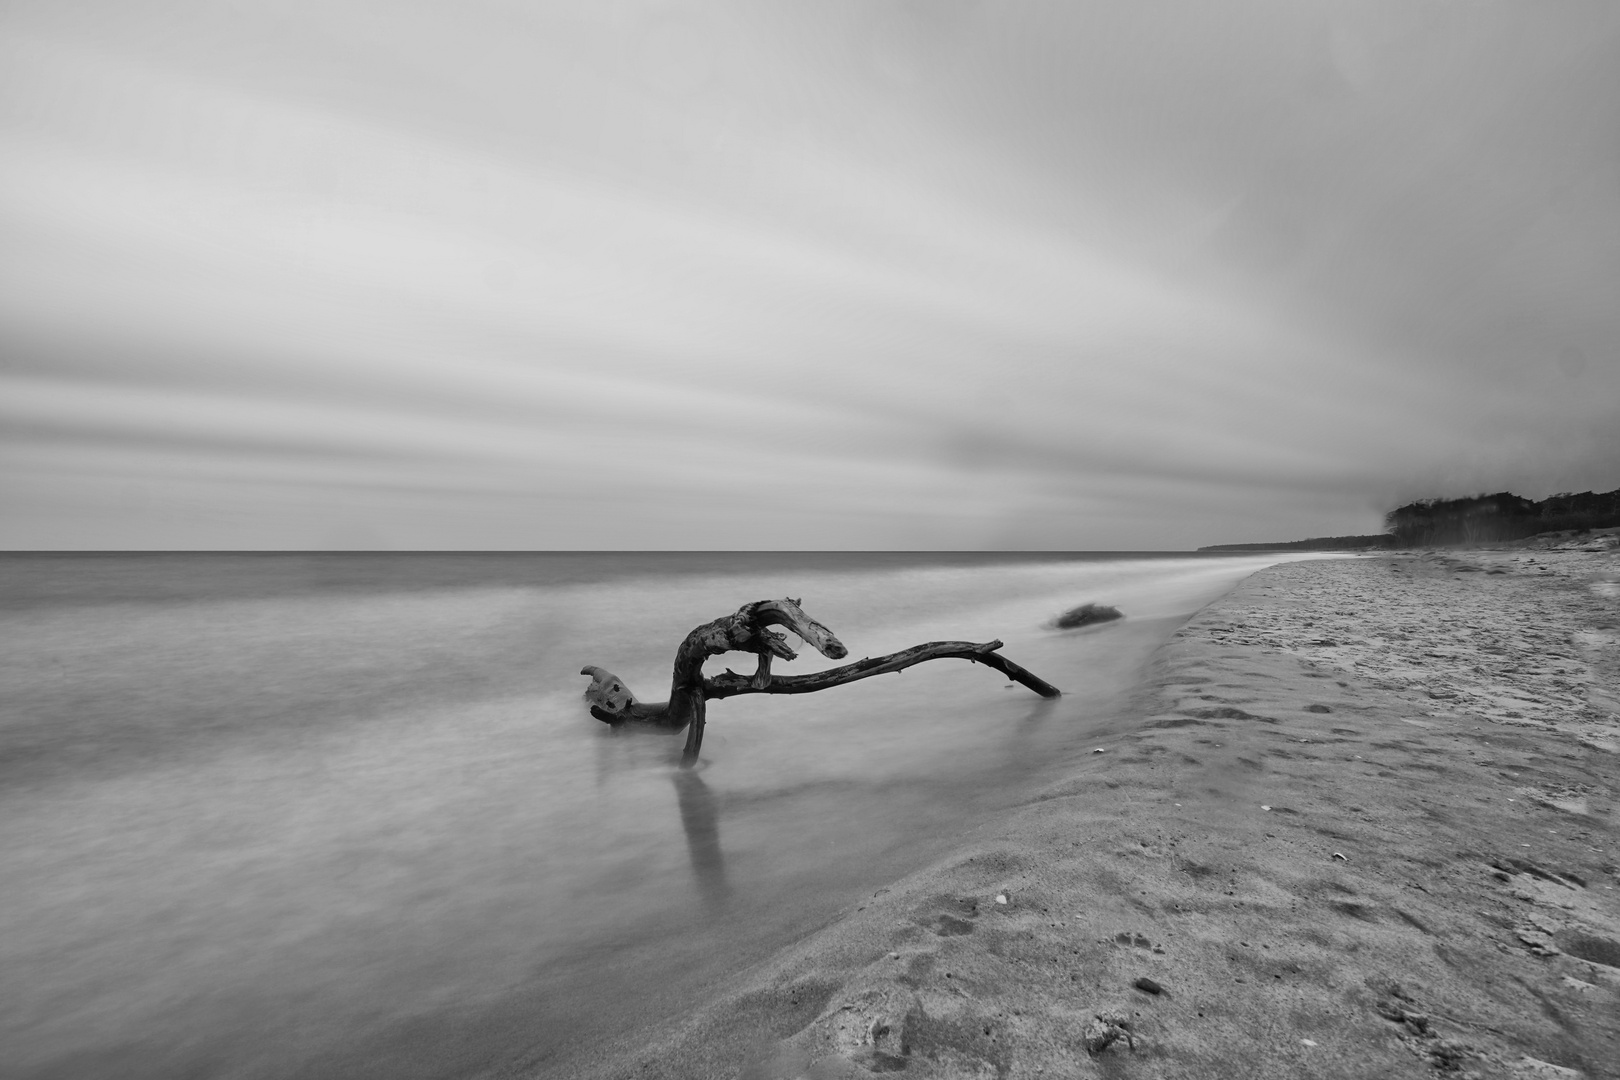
{"points": [[731, 684], [747, 630]]}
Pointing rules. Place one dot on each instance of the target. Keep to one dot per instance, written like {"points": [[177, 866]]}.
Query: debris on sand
{"points": [[1086, 615], [1106, 1029]]}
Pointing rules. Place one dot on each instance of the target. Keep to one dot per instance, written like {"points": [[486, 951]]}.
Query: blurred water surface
{"points": [[346, 815]]}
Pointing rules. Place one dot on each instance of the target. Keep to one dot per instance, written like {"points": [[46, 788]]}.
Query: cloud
{"points": [[872, 275]]}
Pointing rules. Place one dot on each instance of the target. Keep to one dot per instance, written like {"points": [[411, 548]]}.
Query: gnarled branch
{"points": [[747, 630], [731, 684]]}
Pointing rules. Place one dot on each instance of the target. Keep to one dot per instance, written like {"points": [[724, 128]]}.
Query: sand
{"points": [[1360, 821]]}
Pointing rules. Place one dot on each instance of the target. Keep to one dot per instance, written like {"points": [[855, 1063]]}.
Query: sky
{"points": [[624, 274]]}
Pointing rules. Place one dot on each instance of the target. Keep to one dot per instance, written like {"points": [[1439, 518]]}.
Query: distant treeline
{"points": [[1481, 519], [1503, 516], [1318, 543]]}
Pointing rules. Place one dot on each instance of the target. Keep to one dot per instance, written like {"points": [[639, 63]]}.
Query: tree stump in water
{"points": [[748, 630]]}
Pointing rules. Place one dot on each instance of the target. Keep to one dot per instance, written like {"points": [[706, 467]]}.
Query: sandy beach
{"points": [[1359, 821]]}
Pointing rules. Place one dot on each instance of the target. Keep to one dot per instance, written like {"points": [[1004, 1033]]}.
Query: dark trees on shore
{"points": [[1477, 520], [1503, 516]]}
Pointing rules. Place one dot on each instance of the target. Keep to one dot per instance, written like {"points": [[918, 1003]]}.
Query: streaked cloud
{"points": [[853, 275]]}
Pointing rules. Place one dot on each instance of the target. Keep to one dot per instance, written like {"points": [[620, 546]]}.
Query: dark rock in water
{"points": [[1085, 615]]}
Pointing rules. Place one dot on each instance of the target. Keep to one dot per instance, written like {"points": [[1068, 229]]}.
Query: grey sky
{"points": [[947, 274]]}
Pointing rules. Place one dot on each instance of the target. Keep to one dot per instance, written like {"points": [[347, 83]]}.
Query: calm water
{"points": [[346, 815]]}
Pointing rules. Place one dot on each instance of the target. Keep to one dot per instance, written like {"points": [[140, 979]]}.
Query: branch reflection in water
{"points": [[630, 747], [700, 817]]}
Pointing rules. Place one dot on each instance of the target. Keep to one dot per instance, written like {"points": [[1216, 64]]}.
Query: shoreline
{"points": [[1316, 830]]}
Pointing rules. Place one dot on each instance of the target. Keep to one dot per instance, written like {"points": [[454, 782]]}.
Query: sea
{"points": [[347, 815]]}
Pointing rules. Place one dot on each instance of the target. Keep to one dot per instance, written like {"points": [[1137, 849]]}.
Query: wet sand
{"points": [[1360, 821]]}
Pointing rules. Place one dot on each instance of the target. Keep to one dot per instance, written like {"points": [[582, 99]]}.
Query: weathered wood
{"points": [[747, 630], [731, 684]]}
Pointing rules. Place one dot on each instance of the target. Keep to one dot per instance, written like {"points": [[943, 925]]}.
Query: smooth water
{"points": [[346, 815]]}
